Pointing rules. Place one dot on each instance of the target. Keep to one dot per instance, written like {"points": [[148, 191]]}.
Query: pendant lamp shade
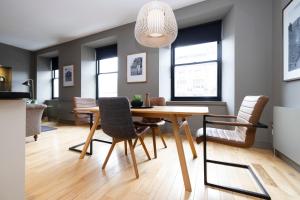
{"points": [[156, 25]]}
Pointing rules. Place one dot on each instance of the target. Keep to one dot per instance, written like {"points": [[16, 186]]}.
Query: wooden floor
{"points": [[53, 172]]}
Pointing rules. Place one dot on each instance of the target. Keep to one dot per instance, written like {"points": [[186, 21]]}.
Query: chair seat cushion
{"points": [[221, 135], [153, 122], [140, 130]]}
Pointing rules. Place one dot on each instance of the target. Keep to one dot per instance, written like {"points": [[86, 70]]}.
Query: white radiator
{"points": [[286, 124]]}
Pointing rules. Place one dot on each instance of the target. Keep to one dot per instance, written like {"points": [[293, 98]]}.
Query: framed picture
{"points": [[291, 41], [136, 68], [68, 76]]}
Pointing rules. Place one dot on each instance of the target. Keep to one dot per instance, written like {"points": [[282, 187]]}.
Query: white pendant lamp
{"points": [[156, 25]]}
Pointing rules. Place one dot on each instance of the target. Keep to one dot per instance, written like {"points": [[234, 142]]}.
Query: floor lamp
{"points": [[29, 83]]}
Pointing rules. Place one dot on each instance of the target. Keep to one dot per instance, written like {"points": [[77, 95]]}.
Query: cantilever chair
{"points": [[84, 118], [154, 123], [116, 121], [243, 136]]}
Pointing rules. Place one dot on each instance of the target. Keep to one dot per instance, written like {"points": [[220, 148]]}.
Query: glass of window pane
{"points": [[196, 53], [55, 88], [109, 65], [56, 73], [198, 80], [108, 85]]}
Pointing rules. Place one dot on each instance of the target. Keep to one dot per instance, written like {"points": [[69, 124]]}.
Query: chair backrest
{"points": [[116, 118], [250, 112], [79, 102], [155, 101]]}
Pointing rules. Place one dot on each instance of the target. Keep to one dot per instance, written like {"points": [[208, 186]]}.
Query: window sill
{"points": [[197, 103]]}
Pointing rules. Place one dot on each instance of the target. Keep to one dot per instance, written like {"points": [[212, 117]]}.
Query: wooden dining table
{"points": [[176, 114]]}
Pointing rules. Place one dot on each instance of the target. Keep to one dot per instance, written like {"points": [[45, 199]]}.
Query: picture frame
{"points": [[291, 45], [68, 76], [136, 68]]}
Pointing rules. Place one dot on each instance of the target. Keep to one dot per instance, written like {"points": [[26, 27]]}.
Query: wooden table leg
{"points": [[189, 137], [90, 136], [180, 151]]}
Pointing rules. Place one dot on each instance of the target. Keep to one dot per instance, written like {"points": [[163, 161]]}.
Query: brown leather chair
{"points": [[116, 120], [155, 123], [246, 123], [83, 118]]}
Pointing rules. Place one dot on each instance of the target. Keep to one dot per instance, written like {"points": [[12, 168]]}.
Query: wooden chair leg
{"points": [[144, 147], [134, 143], [154, 141], [161, 137], [35, 137], [133, 158], [109, 153], [125, 146]]}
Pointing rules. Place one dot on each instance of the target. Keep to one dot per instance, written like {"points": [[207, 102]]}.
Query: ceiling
{"points": [[36, 24]]}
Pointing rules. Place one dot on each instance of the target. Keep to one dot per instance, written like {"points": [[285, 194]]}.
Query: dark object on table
{"points": [[137, 101], [116, 121], [147, 100], [136, 104], [243, 136]]}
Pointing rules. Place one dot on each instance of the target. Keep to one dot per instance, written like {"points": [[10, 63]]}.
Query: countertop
{"points": [[14, 95]]}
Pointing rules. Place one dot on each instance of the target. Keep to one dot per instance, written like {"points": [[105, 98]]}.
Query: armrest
{"points": [[249, 125], [221, 116], [230, 123]]}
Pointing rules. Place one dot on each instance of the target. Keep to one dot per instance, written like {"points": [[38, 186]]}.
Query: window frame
{"points": [[219, 76], [53, 77], [98, 74]]}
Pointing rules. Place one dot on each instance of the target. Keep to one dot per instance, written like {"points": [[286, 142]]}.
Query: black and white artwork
{"points": [[136, 68], [291, 40], [68, 78]]}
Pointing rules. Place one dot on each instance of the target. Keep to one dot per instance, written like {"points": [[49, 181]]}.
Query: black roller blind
{"points": [[106, 52], [199, 34], [54, 63]]}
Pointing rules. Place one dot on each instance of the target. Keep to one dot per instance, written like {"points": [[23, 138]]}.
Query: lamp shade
{"points": [[156, 25]]}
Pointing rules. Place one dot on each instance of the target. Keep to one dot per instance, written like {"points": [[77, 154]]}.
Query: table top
{"points": [[164, 110]]}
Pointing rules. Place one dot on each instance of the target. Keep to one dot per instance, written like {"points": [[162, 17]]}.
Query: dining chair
{"points": [[116, 121], [155, 123], [84, 118], [246, 123]]}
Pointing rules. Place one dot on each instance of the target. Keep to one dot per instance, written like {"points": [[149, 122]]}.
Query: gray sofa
{"points": [[34, 113]]}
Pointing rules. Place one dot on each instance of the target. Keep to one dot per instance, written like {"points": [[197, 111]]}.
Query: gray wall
{"points": [[21, 62], [247, 54], [79, 53], [253, 56], [285, 94], [247, 50]]}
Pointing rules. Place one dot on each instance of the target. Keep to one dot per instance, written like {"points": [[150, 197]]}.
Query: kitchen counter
{"points": [[14, 95], [12, 144]]}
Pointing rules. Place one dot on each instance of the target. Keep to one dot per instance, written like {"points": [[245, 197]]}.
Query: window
{"points": [[55, 78], [196, 63], [107, 71]]}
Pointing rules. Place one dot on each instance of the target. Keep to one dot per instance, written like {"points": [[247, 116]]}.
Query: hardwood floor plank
{"points": [[53, 172]]}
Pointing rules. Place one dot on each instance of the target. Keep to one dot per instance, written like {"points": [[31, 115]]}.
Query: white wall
{"points": [[43, 80], [228, 61]]}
